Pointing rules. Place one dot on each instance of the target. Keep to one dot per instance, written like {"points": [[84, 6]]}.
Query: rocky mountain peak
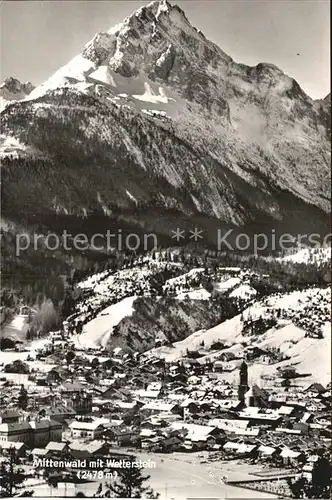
{"points": [[159, 11], [14, 87], [144, 37], [13, 90]]}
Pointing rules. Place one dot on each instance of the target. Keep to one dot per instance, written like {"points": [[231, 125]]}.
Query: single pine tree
{"points": [[11, 476], [130, 484]]}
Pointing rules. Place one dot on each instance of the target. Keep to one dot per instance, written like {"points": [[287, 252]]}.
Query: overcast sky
{"points": [[39, 37]]}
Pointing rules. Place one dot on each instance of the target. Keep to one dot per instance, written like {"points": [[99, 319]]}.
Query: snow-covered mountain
{"points": [[151, 119], [13, 90]]}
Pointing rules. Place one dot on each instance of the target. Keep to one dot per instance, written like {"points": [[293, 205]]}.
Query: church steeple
{"points": [[243, 386]]}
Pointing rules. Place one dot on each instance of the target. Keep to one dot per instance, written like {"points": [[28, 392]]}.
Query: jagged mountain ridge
{"points": [[152, 114], [14, 90]]}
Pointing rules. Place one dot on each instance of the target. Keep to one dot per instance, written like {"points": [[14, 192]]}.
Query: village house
{"points": [[256, 396], [7, 447], [303, 427], [314, 390], [92, 429], [240, 448], [268, 452], [39, 453], [287, 411], [75, 397], [235, 426], [199, 436], [107, 382], [130, 407], [57, 449], [231, 447], [247, 450], [151, 444], [258, 416], [190, 406], [148, 394], [223, 366], [122, 436], [97, 449], [291, 457], [170, 444], [108, 391], [156, 407], [229, 404], [78, 450], [57, 412]]}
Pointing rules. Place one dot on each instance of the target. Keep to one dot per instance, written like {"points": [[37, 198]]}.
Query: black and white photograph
{"points": [[165, 249]]}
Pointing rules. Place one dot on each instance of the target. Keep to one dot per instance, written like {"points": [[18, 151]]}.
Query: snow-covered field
{"points": [[8, 356], [199, 294], [228, 284], [17, 328], [243, 292], [308, 255], [97, 332]]}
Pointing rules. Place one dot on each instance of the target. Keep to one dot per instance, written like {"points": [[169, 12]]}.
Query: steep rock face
{"points": [[323, 107], [164, 64], [100, 48], [154, 117]]}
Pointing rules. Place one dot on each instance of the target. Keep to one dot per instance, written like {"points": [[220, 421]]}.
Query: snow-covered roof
{"points": [[243, 292], [231, 446], [55, 446], [7, 445], [286, 410], [147, 394], [40, 451], [91, 426], [193, 429], [229, 424], [288, 453], [246, 448], [266, 450], [159, 406]]}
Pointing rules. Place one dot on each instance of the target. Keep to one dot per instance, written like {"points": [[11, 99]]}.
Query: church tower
{"points": [[243, 386]]}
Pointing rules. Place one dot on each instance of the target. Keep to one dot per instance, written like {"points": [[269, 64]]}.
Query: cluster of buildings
{"points": [[124, 401], [314, 315], [310, 313]]}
